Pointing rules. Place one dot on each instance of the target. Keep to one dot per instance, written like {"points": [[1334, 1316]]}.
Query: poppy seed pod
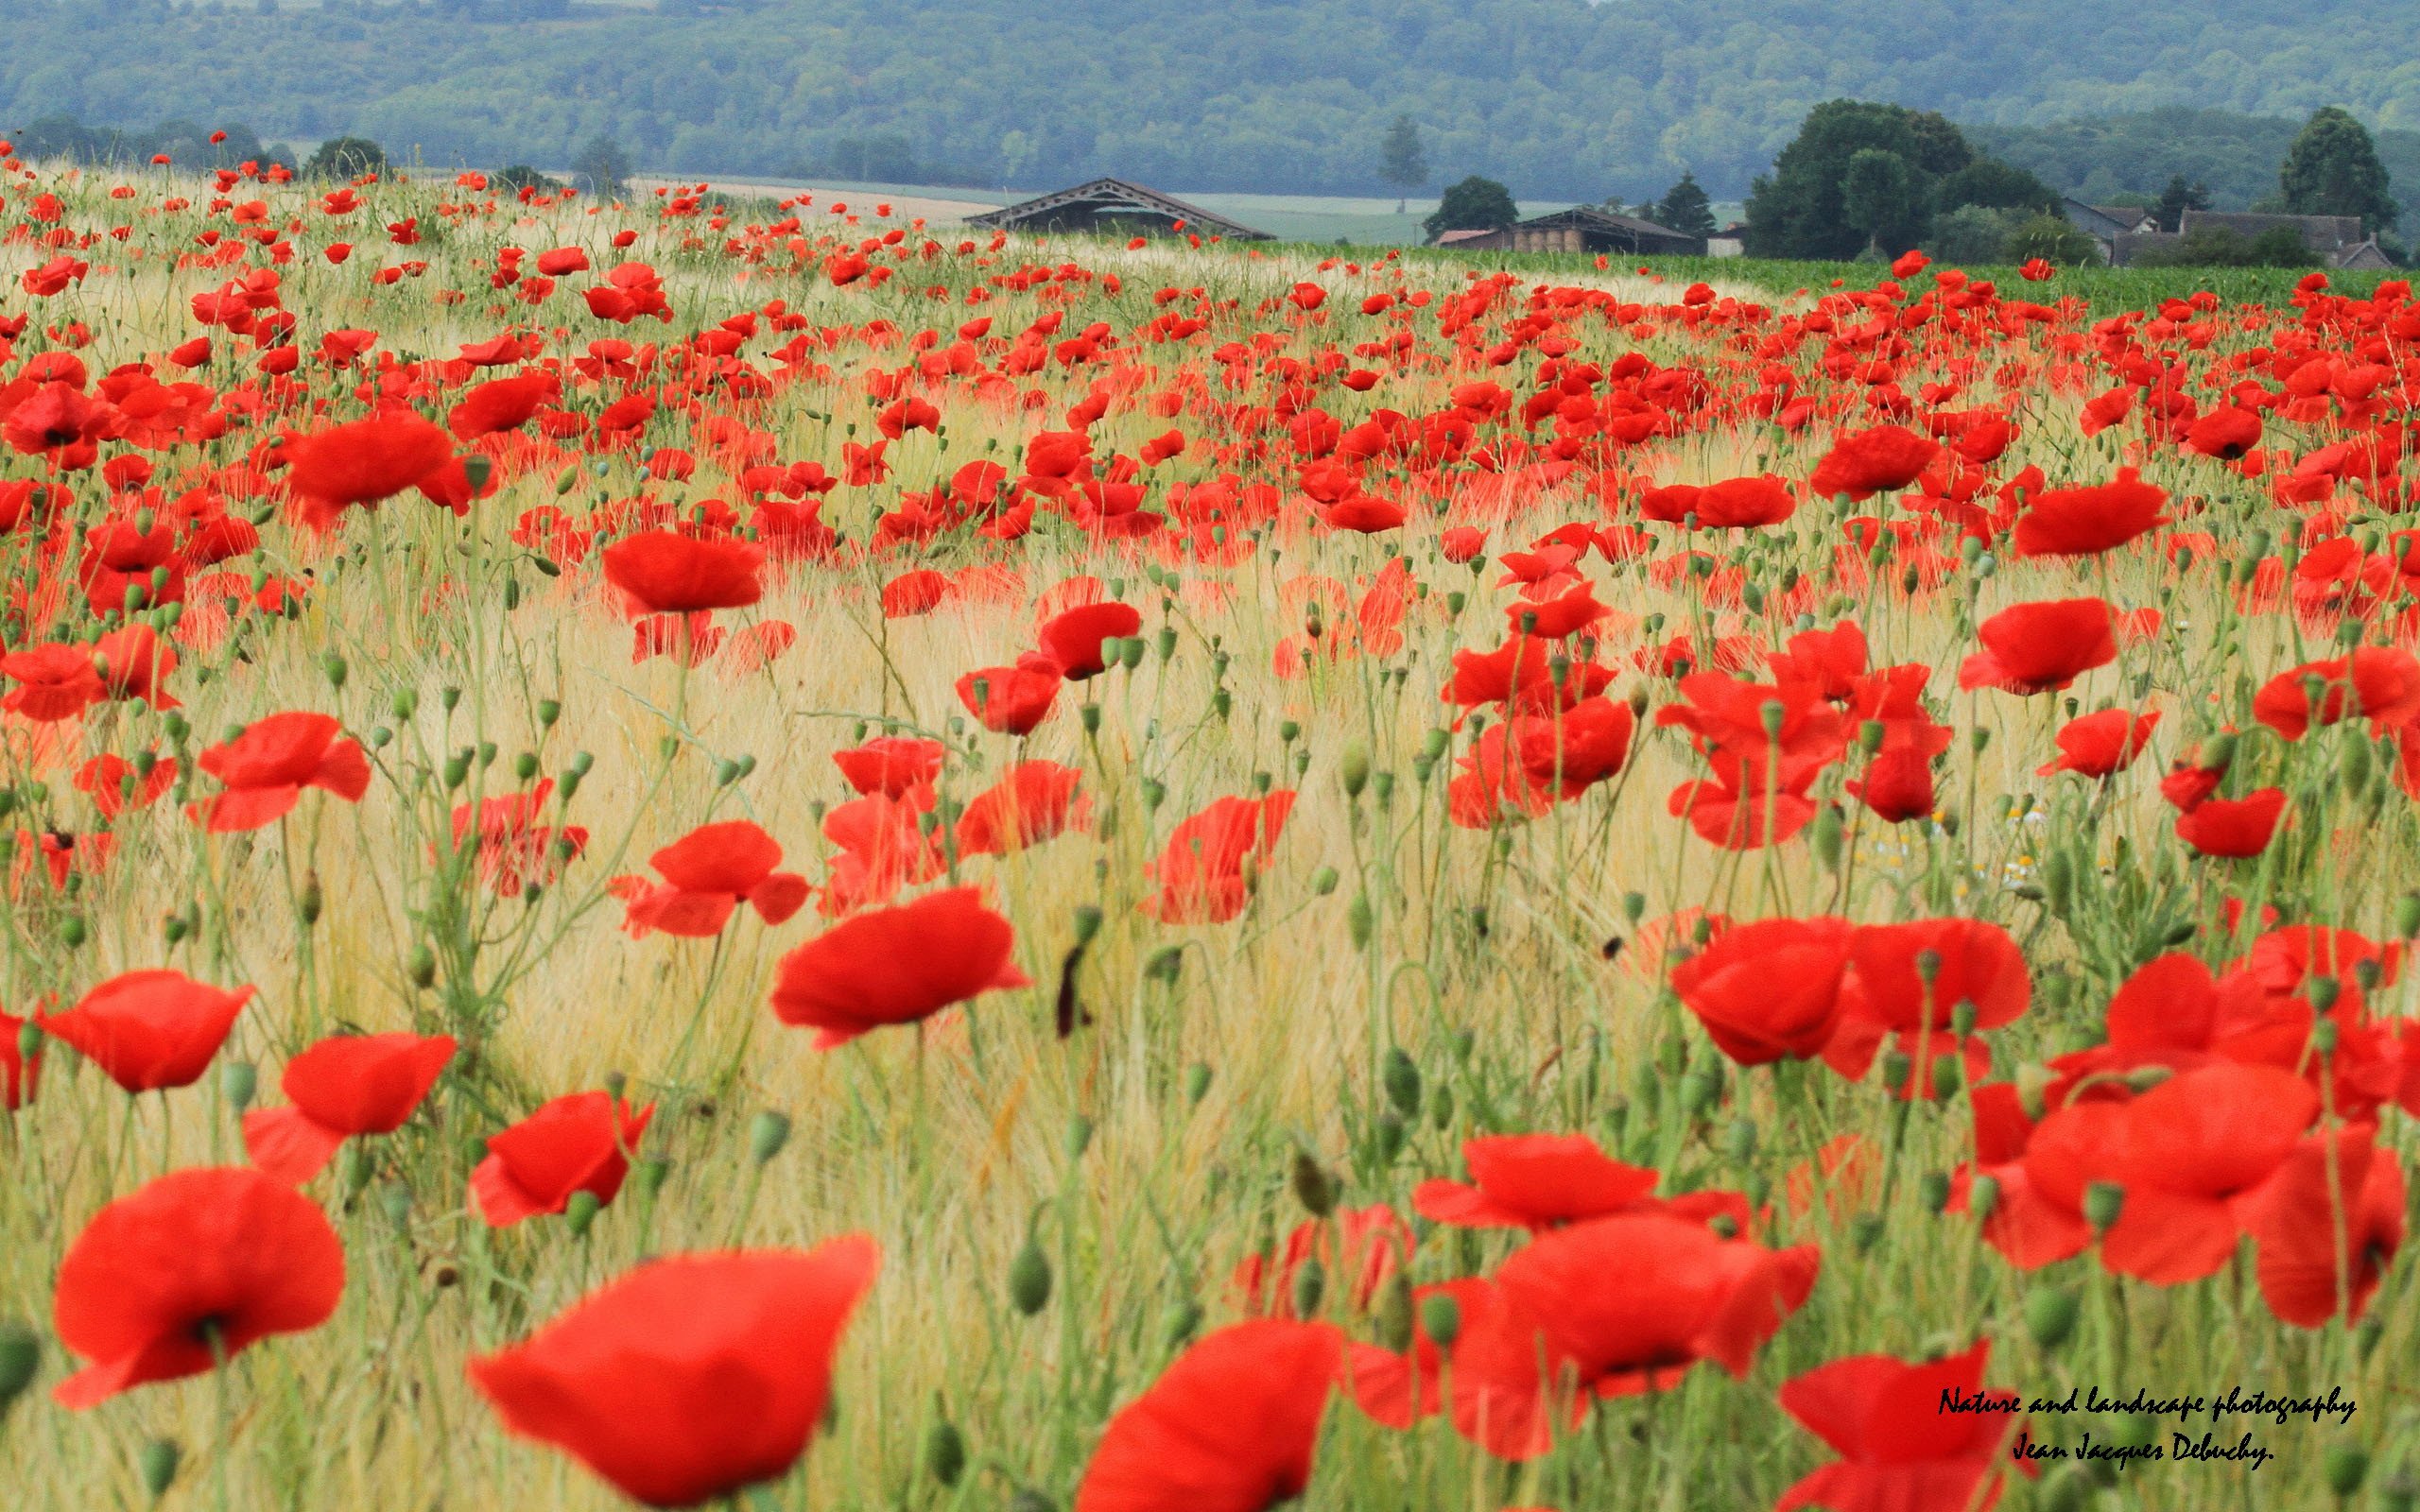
{"points": [[2102, 1202], [944, 1452], [1401, 1077], [1197, 1082], [1310, 1288], [238, 1082], [1984, 1197]]}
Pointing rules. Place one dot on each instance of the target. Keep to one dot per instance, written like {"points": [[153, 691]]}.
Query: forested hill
{"points": [[1559, 98]]}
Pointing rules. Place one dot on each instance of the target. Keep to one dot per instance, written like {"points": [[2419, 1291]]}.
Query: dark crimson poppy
{"points": [[690, 1379], [2104, 744], [891, 766], [707, 874], [581, 1142], [1012, 701], [187, 1272], [266, 768], [662, 572], [1035, 801], [1073, 640], [1559, 1334], [151, 1030], [2326, 1237], [1902, 1447], [2233, 827], [2088, 520], [349, 1085], [896, 966], [1768, 990], [1231, 1426], [1871, 462], [1201, 870], [2380, 684], [1534, 1181], [2041, 647], [365, 460]]}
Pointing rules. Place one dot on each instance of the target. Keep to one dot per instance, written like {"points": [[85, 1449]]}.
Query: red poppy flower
{"points": [[581, 1142], [1012, 701], [2104, 744], [1073, 640], [151, 1030], [514, 850], [896, 966], [1534, 1181], [707, 874], [2380, 683], [366, 460], [692, 1378], [2041, 647], [1231, 1426], [1872, 462], [1033, 802], [188, 1271], [1582, 746], [1202, 871], [267, 767], [2302, 1212], [55, 682], [2226, 433], [2233, 827], [131, 660], [893, 765], [1559, 1333], [351, 1084], [2086, 522], [503, 405], [1768, 990], [662, 572], [1902, 1447]]}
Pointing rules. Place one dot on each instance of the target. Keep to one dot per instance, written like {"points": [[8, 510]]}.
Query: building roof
{"points": [[1447, 238], [2363, 255], [2326, 235], [1591, 218], [2103, 220], [1116, 197]]}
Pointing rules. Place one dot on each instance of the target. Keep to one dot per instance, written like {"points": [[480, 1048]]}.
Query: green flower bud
{"points": [[238, 1082], [580, 1211], [1934, 1191], [2051, 1314], [1353, 770], [1313, 1187], [1178, 1324], [1310, 1287], [1030, 1278], [1401, 1077], [1079, 1137], [1359, 921], [157, 1461], [1323, 882], [767, 1133], [1196, 1083], [2102, 1202], [1440, 1318], [2346, 1467], [944, 1452], [19, 1361]]}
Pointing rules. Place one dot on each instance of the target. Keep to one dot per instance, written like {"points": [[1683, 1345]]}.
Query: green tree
{"points": [[1684, 208], [520, 176], [1973, 234], [1880, 196], [1800, 209], [1996, 186], [1474, 204], [2333, 169], [2052, 238], [601, 166], [1402, 161], [2178, 197], [346, 157]]}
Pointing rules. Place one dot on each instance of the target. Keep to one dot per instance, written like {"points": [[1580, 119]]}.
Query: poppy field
{"points": [[761, 856]]}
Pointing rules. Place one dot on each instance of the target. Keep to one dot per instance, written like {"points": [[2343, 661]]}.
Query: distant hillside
{"points": [[1559, 98], [2236, 155]]}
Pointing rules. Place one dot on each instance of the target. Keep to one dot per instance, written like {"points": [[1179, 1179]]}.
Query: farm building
{"points": [[2335, 240], [1115, 207], [1582, 229]]}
